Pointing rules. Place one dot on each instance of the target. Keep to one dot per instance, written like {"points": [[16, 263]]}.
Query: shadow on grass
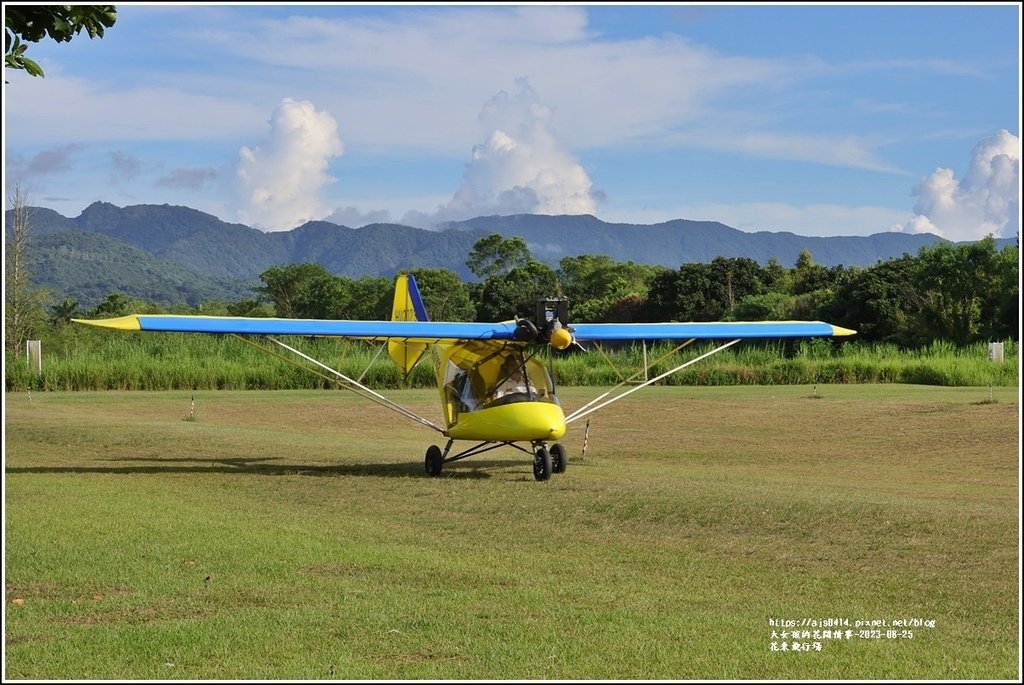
{"points": [[260, 466]]}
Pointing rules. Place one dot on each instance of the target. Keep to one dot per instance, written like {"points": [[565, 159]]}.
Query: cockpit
{"points": [[475, 382]]}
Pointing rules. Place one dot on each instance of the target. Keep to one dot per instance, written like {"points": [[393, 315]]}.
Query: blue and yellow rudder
{"points": [[408, 306]]}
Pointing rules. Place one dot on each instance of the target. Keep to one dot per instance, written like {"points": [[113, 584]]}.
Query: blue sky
{"points": [[820, 120]]}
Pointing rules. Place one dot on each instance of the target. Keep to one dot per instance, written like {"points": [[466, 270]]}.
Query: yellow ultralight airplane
{"points": [[494, 390]]}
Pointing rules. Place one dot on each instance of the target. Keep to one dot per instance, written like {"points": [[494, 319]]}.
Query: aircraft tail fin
{"points": [[407, 306]]}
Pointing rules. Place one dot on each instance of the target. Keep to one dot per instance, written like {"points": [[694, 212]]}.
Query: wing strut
{"points": [[372, 361], [369, 394], [584, 410], [635, 375]]}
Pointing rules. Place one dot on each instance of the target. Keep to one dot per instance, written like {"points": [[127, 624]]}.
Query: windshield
{"points": [[498, 379]]}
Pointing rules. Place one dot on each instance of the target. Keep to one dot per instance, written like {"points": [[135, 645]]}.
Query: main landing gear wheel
{"points": [[559, 458], [542, 464], [434, 461]]}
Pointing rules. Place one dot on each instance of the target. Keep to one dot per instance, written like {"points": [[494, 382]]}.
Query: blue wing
{"points": [[380, 330], [442, 330], [411, 323], [719, 330]]}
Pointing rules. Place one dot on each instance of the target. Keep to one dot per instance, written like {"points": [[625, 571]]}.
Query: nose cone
{"points": [[535, 421], [550, 419], [556, 430], [511, 422], [561, 339]]}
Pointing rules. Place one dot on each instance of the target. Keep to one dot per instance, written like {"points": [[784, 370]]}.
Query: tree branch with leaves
{"points": [[31, 23]]}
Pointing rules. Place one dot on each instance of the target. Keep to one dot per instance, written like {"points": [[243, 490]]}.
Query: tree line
{"points": [[960, 293]]}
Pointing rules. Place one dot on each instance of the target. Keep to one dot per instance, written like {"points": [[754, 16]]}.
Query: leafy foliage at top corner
{"points": [[61, 23]]}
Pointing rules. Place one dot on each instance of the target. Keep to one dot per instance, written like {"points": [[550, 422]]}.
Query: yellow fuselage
{"points": [[511, 423], [468, 372]]}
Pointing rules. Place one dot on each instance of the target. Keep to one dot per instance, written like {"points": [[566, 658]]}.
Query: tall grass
{"points": [[808, 362], [168, 361]]}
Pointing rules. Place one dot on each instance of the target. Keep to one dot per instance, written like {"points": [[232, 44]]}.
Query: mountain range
{"points": [[172, 255]]}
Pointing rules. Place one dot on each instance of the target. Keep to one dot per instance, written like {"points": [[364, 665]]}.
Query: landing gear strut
{"points": [[545, 461]]}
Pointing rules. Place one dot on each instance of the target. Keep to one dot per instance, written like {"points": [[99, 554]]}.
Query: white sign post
{"points": [[34, 355]]}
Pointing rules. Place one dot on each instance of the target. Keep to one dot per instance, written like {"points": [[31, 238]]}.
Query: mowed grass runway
{"points": [[293, 535]]}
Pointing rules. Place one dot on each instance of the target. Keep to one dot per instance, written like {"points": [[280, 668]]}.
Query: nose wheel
{"points": [[547, 461], [542, 465], [559, 458]]}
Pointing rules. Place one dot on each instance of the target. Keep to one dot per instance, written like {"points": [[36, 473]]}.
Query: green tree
{"points": [[62, 312], [771, 306], [309, 291], [445, 296], [248, 307], [957, 282], [61, 23], [495, 255], [597, 286], [808, 276], [880, 302], [116, 304], [702, 292], [23, 303], [777, 278], [627, 309], [733, 279], [371, 299], [325, 296], [516, 293], [286, 286], [661, 304], [1004, 319], [694, 298]]}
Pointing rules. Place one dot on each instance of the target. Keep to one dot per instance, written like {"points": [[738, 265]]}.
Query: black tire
{"points": [[434, 461], [559, 458], [542, 464]]}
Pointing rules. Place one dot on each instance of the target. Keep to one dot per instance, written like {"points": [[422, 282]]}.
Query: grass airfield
{"points": [[293, 535]]}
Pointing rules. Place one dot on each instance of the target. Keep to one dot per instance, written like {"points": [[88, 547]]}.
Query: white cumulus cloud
{"points": [[281, 179], [986, 201], [522, 167]]}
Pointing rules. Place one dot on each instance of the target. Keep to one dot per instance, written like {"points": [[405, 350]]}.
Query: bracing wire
{"points": [[583, 411], [346, 382]]}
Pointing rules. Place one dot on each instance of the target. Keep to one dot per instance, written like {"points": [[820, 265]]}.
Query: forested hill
{"points": [[207, 246], [87, 267], [173, 254], [676, 242]]}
